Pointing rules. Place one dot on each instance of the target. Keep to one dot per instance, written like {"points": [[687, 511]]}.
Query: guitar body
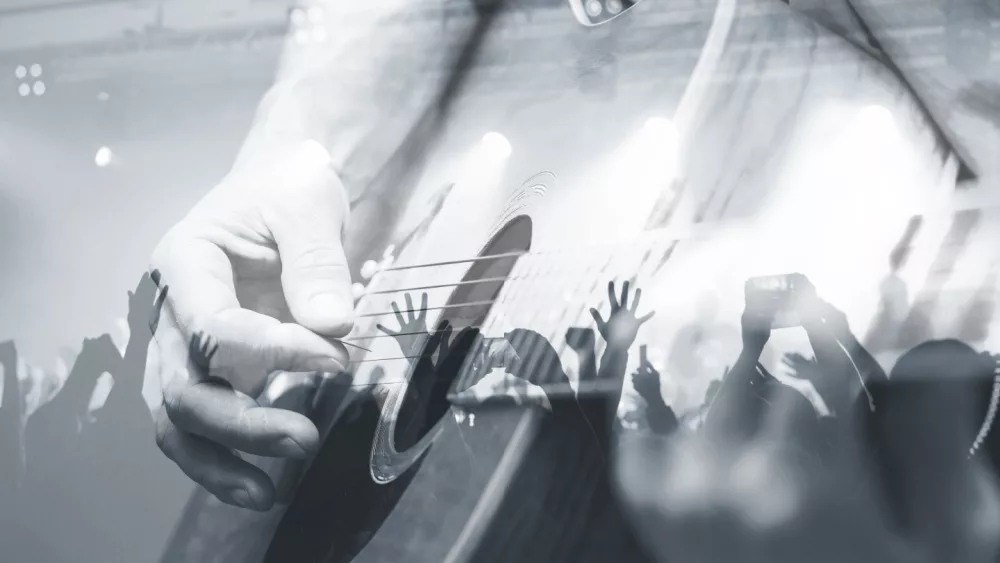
{"points": [[669, 175]]}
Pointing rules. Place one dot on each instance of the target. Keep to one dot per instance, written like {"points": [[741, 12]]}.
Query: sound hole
{"points": [[338, 508], [426, 401]]}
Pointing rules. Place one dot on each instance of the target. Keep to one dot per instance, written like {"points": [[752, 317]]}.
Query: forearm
{"points": [[358, 91], [11, 386], [613, 365], [737, 401], [131, 372], [871, 371], [661, 418]]}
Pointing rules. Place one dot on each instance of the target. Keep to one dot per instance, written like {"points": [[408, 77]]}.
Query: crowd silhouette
{"points": [[916, 443], [77, 485]]}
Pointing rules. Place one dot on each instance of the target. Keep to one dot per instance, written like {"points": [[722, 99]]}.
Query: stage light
{"points": [[298, 16], [496, 145], [369, 269], [301, 36], [594, 8], [614, 6], [39, 88], [24, 89], [103, 157], [315, 154], [662, 128], [21, 71], [877, 117], [36, 70], [358, 289]]}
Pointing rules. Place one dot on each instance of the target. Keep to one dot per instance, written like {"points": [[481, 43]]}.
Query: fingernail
{"points": [[331, 313], [242, 497], [331, 365], [288, 447]]}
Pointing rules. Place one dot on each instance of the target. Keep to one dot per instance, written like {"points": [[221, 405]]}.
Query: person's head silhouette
{"points": [[537, 361], [926, 419]]}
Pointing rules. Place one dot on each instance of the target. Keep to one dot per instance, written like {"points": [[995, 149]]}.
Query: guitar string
{"points": [[484, 303]]}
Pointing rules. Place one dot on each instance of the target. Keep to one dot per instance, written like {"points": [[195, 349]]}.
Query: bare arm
{"points": [[354, 77], [11, 386]]}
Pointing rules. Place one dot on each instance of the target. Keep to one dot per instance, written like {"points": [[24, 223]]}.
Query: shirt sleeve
{"points": [[355, 75]]}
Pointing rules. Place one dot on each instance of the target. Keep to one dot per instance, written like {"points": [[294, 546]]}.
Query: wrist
{"points": [[751, 351]]}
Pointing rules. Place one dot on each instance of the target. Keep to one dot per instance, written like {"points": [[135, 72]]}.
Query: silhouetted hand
{"points": [[622, 326], [8, 352], [647, 381], [99, 355], [496, 352], [756, 331], [834, 321], [412, 331], [257, 266], [141, 302], [442, 342], [801, 366]]}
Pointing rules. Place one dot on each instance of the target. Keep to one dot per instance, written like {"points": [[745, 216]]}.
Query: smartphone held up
{"points": [[779, 299]]}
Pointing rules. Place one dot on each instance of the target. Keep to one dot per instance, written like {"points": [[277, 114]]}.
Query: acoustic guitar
{"points": [[608, 168]]}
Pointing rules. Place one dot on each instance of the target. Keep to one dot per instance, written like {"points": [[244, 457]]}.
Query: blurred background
{"points": [[116, 116]]}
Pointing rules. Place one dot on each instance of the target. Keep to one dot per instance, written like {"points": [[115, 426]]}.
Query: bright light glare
{"points": [[302, 37], [358, 289], [662, 130], [496, 145], [647, 162], [24, 89], [39, 88], [316, 152], [103, 157], [21, 71], [369, 269], [877, 117], [316, 14], [298, 16], [36, 70]]}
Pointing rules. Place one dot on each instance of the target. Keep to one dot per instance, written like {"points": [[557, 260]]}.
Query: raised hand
{"points": [[412, 333], [8, 352], [756, 331], [646, 381], [201, 350], [800, 366], [98, 355], [442, 342], [499, 352], [622, 326], [141, 302]]}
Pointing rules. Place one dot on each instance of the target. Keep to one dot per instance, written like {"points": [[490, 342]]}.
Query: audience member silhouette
{"points": [[776, 467], [11, 447], [660, 417], [575, 439], [88, 476], [894, 296], [936, 484]]}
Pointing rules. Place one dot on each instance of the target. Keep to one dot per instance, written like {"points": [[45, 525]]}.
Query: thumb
{"points": [[307, 220]]}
